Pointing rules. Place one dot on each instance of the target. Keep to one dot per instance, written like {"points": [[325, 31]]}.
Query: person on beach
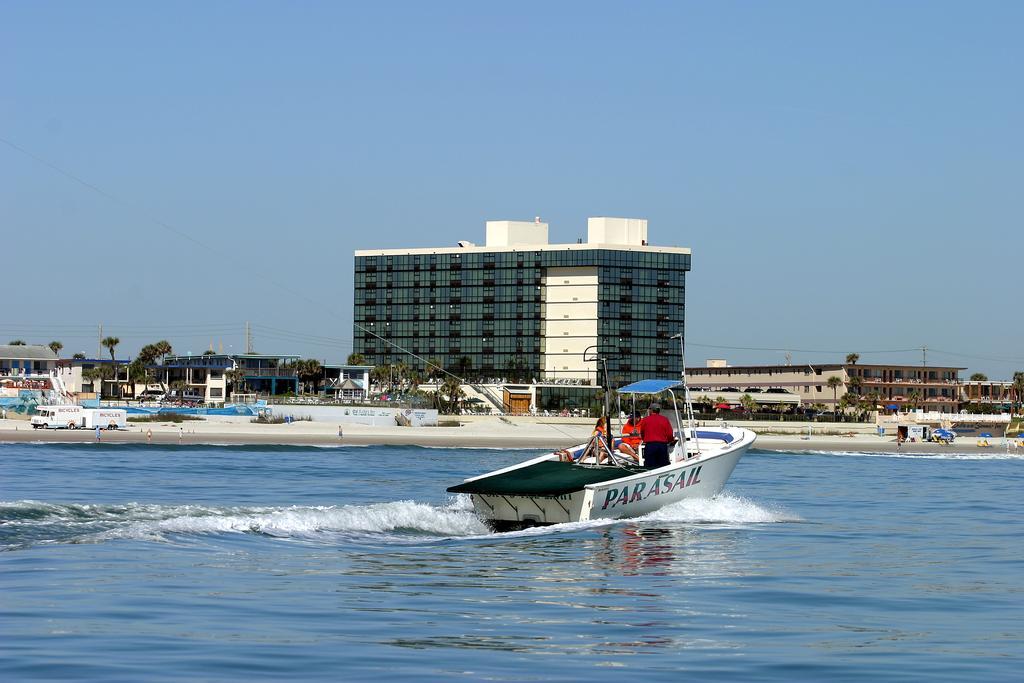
{"points": [[97, 433], [657, 434], [149, 436]]}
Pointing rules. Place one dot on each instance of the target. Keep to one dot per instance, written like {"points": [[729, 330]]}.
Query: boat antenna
{"points": [[595, 357], [687, 402]]}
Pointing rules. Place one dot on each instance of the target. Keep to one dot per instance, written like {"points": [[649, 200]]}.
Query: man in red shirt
{"points": [[657, 433]]}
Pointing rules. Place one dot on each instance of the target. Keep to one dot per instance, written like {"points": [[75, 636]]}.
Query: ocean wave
{"points": [[994, 454]]}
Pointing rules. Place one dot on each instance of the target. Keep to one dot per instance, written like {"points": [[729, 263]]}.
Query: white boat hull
{"points": [[700, 475]]}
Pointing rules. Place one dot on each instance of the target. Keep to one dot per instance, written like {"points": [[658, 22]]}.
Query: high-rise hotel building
{"points": [[521, 309]]}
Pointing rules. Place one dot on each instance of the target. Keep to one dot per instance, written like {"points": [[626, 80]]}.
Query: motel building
{"points": [[907, 387]]}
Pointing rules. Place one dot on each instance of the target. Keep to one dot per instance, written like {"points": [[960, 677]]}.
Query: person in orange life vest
{"points": [[658, 435], [630, 444]]}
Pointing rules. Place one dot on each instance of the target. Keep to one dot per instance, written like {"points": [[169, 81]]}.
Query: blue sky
{"points": [[847, 175]]}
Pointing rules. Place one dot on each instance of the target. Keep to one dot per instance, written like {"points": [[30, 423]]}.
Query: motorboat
{"points": [[595, 481]]}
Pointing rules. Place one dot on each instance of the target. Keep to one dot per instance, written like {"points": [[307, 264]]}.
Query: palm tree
{"points": [[236, 376], [852, 358], [979, 377], [163, 349], [834, 382], [913, 399], [56, 346], [748, 403], [452, 390], [401, 369], [111, 344], [1018, 388], [433, 368], [309, 371], [379, 377], [855, 384], [355, 359]]}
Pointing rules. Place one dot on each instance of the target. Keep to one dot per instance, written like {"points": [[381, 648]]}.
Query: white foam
{"points": [[305, 522], [722, 509], [725, 509]]}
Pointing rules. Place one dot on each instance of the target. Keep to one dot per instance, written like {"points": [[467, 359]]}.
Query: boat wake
{"points": [[29, 523]]}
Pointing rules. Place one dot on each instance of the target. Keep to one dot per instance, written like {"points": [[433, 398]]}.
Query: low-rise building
{"points": [[89, 378], [26, 359], [346, 382], [904, 387], [931, 388], [809, 382], [997, 393]]}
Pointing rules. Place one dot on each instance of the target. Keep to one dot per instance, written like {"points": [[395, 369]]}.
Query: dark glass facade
{"points": [[480, 314]]}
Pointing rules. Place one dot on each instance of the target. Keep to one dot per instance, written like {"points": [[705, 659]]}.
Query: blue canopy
{"points": [[892, 406], [986, 435], [944, 434], [649, 386]]}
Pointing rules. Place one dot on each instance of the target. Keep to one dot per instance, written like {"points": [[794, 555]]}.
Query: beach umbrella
{"points": [[722, 406], [893, 406]]}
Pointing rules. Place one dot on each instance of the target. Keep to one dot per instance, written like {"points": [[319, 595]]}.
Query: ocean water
{"points": [[134, 562]]}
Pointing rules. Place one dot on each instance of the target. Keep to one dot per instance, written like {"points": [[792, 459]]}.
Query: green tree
{"points": [[834, 382], [913, 399], [451, 390], [355, 359], [379, 377], [56, 346], [855, 384], [78, 356], [111, 344], [163, 349], [979, 377], [1018, 389], [310, 372], [16, 342], [236, 378], [748, 403], [139, 373], [852, 358], [434, 369]]}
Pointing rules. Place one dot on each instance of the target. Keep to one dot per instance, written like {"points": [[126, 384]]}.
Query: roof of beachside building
{"points": [[26, 352]]}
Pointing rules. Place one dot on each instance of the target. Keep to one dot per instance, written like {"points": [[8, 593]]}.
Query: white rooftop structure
{"points": [[628, 231], [513, 233]]}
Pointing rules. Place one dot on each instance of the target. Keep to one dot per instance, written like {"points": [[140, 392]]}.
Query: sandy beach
{"points": [[472, 432]]}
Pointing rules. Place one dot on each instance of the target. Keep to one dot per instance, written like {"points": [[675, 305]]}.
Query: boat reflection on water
{"points": [[658, 549]]}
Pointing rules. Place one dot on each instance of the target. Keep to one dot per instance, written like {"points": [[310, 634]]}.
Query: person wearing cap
{"points": [[657, 434]]}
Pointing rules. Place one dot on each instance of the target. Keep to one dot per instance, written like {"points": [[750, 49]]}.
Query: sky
{"points": [[848, 175]]}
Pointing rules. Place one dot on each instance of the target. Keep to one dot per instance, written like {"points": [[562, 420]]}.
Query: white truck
{"points": [[76, 417], [105, 418], [57, 417]]}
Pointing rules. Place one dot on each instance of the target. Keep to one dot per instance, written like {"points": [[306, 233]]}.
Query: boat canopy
{"points": [[545, 478], [650, 386]]}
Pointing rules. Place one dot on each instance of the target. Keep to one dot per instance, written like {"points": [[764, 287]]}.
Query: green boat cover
{"points": [[548, 478]]}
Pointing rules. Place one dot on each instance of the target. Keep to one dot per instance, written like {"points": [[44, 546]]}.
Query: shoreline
{"points": [[478, 433]]}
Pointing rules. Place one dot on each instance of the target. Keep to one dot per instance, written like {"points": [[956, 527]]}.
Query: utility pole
{"points": [[99, 342], [924, 356], [248, 338]]}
